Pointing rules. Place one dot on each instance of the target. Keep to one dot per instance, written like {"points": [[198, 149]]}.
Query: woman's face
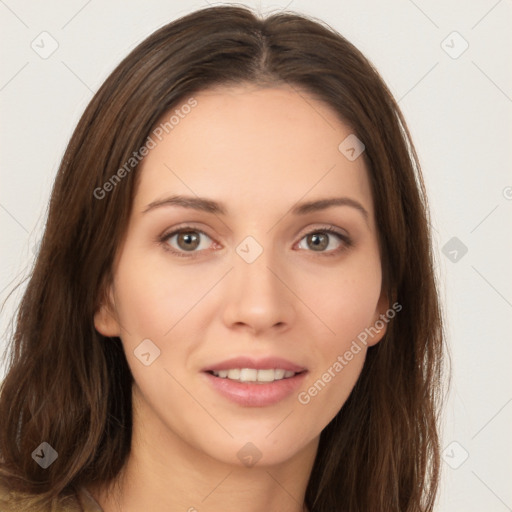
{"points": [[241, 293]]}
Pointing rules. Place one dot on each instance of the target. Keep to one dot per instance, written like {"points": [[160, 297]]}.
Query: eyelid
{"points": [[329, 228]]}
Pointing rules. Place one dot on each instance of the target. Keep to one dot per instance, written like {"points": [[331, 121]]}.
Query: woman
{"points": [[234, 303]]}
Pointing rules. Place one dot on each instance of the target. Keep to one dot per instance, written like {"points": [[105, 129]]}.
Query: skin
{"points": [[258, 151]]}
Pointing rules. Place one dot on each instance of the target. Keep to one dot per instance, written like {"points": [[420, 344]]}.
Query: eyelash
{"points": [[347, 242]]}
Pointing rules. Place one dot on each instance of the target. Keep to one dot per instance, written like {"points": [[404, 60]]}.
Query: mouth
{"points": [[255, 383]]}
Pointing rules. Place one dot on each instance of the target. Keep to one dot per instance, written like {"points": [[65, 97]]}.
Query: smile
{"points": [[255, 382]]}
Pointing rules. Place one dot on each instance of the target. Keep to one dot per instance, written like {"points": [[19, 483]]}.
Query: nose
{"points": [[257, 296]]}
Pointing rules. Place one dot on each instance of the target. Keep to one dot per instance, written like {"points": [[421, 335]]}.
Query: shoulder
{"points": [[11, 501]]}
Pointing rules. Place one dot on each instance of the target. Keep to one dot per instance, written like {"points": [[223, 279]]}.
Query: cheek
{"points": [[152, 297], [345, 300], [347, 305], [156, 302]]}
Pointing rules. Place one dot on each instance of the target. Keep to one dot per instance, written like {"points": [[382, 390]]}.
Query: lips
{"points": [[255, 382]]}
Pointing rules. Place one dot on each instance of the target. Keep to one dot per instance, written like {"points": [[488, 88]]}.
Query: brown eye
{"points": [[318, 241], [327, 241], [188, 240]]}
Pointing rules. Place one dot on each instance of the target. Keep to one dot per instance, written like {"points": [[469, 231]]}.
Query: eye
{"points": [[325, 240], [186, 240]]}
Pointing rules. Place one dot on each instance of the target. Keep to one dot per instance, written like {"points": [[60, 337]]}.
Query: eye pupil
{"points": [[188, 240], [318, 241]]}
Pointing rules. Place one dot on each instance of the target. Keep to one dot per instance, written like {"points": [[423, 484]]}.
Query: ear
{"points": [[105, 318], [380, 320]]}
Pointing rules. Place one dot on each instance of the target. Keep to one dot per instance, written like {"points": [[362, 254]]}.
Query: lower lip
{"points": [[251, 394]]}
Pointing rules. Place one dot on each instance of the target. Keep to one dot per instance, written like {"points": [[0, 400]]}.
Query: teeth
{"points": [[248, 375], [279, 374], [232, 374], [254, 375], [266, 375]]}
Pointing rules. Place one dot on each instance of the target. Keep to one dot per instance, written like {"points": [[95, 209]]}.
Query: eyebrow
{"points": [[210, 206]]}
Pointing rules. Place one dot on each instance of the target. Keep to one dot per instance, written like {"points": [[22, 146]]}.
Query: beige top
{"points": [[82, 501]]}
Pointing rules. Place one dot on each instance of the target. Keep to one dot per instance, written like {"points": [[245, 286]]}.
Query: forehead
{"points": [[265, 145]]}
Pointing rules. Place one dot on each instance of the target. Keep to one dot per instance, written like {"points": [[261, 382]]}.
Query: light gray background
{"points": [[459, 112]]}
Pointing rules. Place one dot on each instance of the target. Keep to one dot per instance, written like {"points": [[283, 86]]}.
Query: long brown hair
{"points": [[71, 387]]}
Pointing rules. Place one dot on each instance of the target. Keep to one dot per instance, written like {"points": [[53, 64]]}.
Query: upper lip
{"points": [[265, 363]]}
